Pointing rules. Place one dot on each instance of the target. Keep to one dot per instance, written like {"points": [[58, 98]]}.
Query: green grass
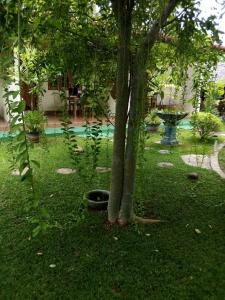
{"points": [[93, 261], [222, 159]]}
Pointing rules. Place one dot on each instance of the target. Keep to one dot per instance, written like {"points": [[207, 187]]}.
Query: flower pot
{"points": [[97, 199], [33, 137]]}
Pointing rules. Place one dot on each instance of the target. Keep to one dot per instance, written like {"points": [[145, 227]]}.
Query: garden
{"points": [[82, 257], [130, 204]]}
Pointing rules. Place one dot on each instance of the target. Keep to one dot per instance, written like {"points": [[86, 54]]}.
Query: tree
{"points": [[132, 64]]}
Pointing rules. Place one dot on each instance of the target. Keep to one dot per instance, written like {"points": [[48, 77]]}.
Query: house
{"points": [[50, 102]]}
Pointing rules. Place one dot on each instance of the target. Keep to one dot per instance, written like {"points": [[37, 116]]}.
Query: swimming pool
{"points": [[107, 130]]}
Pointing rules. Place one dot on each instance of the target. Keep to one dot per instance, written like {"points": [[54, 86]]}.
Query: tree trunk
{"points": [[136, 104], [135, 115], [123, 14], [122, 184]]}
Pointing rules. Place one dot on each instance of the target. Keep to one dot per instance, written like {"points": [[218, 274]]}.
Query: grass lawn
{"points": [[222, 159], [92, 261]]}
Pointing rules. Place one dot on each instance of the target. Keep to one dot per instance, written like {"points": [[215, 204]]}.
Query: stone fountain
{"points": [[170, 120]]}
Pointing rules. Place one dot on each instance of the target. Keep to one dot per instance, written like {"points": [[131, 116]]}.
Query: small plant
{"points": [[152, 119], [35, 121], [204, 123]]}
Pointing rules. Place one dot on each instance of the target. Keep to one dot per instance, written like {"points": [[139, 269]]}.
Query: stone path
{"points": [[16, 172], [202, 161], [65, 171], [165, 165], [103, 169], [215, 160], [164, 151], [207, 162]]}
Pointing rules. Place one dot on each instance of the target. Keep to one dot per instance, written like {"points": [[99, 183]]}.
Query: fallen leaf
{"points": [[52, 266], [115, 238], [197, 231], [39, 253]]}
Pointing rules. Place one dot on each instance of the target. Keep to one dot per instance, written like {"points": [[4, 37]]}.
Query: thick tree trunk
{"points": [[135, 114], [137, 93], [123, 168], [122, 10]]}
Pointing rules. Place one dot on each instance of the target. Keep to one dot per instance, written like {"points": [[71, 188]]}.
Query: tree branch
{"points": [[159, 23]]}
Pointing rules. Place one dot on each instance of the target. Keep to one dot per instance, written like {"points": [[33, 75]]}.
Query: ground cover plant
{"points": [[84, 258], [222, 159]]}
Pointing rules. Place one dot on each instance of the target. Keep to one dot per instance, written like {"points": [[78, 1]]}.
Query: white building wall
{"points": [[51, 100], [2, 104], [173, 98], [112, 105]]}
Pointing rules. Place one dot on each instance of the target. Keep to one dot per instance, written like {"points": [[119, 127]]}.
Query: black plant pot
{"points": [[97, 199], [33, 137]]}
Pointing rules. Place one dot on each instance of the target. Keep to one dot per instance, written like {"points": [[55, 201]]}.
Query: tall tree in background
{"points": [[132, 62]]}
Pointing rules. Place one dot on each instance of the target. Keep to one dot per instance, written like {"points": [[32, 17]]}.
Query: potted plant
{"points": [[152, 121], [34, 123]]}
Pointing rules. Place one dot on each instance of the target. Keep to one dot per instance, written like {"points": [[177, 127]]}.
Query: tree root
{"points": [[140, 220]]}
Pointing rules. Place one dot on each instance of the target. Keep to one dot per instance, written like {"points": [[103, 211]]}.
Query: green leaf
{"points": [[14, 94], [22, 156], [36, 163], [21, 107], [36, 231], [21, 135]]}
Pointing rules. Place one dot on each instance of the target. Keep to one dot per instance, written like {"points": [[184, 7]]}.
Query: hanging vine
{"points": [[20, 145]]}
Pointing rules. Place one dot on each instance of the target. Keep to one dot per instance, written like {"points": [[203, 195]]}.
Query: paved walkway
{"points": [[205, 161]]}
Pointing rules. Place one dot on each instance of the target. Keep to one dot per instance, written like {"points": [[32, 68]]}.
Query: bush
{"points": [[204, 123], [35, 121], [152, 119]]}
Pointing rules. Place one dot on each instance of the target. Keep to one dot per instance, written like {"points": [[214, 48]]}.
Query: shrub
{"points": [[35, 121], [204, 123], [152, 119]]}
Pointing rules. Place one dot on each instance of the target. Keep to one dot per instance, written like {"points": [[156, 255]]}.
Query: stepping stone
{"points": [[165, 165], [164, 151], [65, 171], [202, 161], [17, 172], [78, 149], [103, 169], [193, 176], [158, 142]]}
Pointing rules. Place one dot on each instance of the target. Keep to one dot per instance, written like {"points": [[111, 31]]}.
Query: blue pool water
{"points": [[107, 131]]}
